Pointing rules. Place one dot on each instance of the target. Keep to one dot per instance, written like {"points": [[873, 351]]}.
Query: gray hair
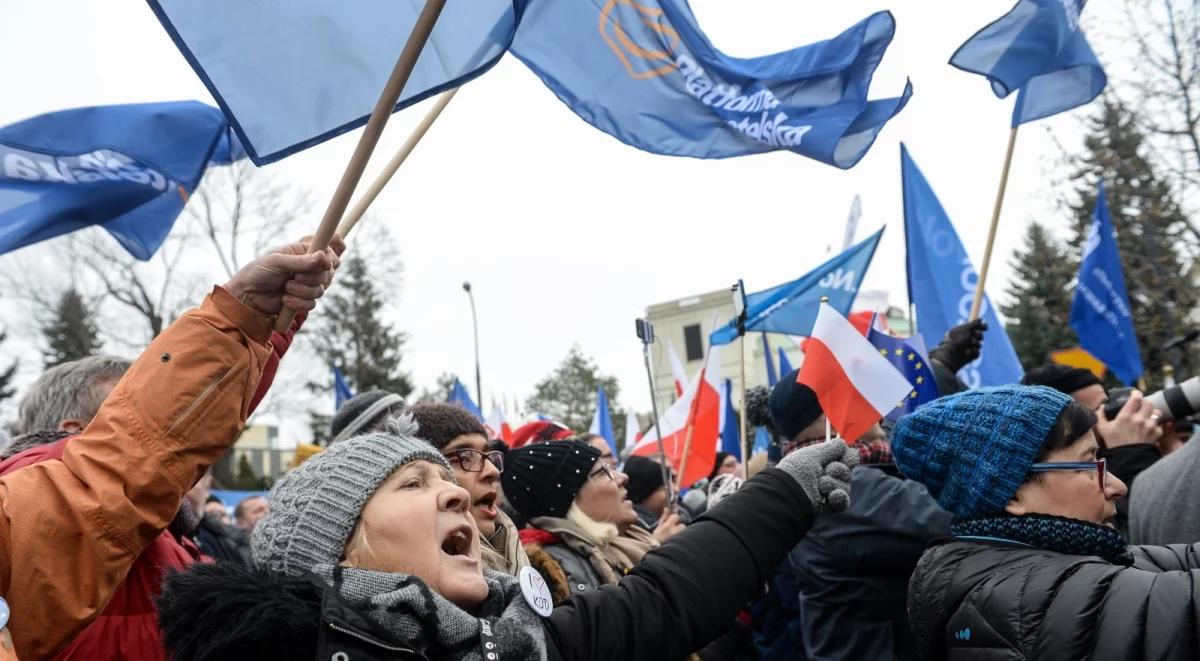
{"points": [[70, 391]]}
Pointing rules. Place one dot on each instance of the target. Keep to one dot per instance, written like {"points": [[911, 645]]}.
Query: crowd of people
{"points": [[993, 523]]}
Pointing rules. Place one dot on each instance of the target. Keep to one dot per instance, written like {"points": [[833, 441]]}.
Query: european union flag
{"points": [[941, 281], [1100, 311], [643, 72], [341, 390], [291, 75], [910, 361], [128, 168], [792, 307], [460, 396], [1036, 48]]}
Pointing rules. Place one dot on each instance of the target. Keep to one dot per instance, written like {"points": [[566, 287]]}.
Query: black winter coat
{"points": [[852, 569], [1003, 602], [678, 599]]}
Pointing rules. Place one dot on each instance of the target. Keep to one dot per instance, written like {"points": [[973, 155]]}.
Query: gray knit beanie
{"points": [[315, 507]]}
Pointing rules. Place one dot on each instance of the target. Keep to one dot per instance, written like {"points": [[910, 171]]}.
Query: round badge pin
{"points": [[4, 612], [537, 593]]}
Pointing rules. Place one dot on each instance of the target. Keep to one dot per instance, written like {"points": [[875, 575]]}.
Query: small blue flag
{"points": [[910, 361], [1038, 49], [731, 435], [785, 365], [602, 420], [291, 75], [792, 307], [941, 281], [341, 390], [772, 377], [460, 396], [646, 74], [127, 168], [1100, 312], [762, 441]]}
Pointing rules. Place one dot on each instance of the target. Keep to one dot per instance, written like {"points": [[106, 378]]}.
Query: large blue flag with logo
{"points": [[792, 307], [1038, 49], [127, 168], [1100, 312], [644, 72], [941, 281], [291, 75]]}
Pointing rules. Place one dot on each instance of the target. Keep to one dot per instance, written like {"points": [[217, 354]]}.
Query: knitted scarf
{"points": [[1051, 533], [612, 559], [417, 616]]}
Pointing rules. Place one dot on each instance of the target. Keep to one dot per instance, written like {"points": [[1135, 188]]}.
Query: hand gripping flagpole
{"points": [[987, 252], [646, 335], [370, 137], [393, 165]]}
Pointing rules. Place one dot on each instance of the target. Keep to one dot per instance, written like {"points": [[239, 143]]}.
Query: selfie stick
{"points": [[646, 335]]}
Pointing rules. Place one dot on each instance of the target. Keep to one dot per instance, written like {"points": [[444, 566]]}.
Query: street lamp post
{"points": [[475, 324]]}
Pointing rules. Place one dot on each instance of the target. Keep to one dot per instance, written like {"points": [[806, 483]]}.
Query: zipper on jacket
{"points": [[369, 640], [208, 390]]}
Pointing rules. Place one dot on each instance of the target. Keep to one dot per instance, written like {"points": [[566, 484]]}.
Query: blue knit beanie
{"points": [[973, 450]]}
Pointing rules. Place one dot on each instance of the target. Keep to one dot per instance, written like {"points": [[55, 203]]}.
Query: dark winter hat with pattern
{"points": [[542, 479], [794, 406], [362, 413], [645, 477], [973, 450]]}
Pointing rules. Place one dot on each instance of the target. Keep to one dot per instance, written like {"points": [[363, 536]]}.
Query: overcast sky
{"points": [[567, 234]]}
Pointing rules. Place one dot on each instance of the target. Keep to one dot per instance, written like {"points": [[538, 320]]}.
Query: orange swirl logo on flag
{"points": [[619, 17]]}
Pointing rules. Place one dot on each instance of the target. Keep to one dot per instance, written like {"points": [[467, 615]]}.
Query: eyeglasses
{"points": [[472, 460], [1100, 466], [604, 469]]}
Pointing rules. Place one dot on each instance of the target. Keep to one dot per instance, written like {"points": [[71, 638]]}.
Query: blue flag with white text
{"points": [[341, 390], [941, 282], [785, 365], [792, 307], [127, 168], [460, 396], [910, 361], [291, 75], [731, 434], [602, 421], [645, 73], [1039, 49], [1100, 311]]}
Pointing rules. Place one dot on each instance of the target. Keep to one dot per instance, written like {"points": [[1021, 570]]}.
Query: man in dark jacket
{"points": [[1034, 569], [851, 570]]}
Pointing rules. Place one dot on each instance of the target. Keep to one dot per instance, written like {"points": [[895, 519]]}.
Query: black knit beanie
{"points": [[1062, 378], [363, 413], [542, 479], [794, 406], [441, 423], [645, 477]]}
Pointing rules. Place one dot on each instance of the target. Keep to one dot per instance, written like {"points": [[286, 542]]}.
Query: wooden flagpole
{"points": [[393, 165], [370, 137], [987, 252], [742, 428]]}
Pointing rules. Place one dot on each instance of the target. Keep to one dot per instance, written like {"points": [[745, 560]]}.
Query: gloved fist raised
{"points": [[823, 471], [961, 346]]}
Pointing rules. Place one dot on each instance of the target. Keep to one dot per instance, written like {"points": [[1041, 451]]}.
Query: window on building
{"points": [[693, 342]]}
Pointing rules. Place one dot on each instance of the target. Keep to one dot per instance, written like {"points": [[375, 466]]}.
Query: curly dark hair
{"points": [[758, 408], [441, 423]]}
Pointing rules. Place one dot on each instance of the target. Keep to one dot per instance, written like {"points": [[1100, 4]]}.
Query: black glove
{"points": [[961, 345]]}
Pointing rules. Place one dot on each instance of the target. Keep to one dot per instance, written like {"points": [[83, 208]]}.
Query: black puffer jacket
{"points": [[678, 599], [1001, 602]]}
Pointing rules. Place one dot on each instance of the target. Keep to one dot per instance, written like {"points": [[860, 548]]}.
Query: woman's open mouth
{"points": [[458, 542]]}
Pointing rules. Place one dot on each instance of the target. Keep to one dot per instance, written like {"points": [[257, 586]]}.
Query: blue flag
{"points": [[646, 74], [785, 365], [941, 282], [291, 75], [126, 168], [1100, 312], [910, 361], [460, 396], [762, 441], [602, 421], [772, 377], [341, 390], [1038, 49], [792, 307], [731, 435]]}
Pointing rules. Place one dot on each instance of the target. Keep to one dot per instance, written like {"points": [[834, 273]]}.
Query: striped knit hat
{"points": [[315, 507]]}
